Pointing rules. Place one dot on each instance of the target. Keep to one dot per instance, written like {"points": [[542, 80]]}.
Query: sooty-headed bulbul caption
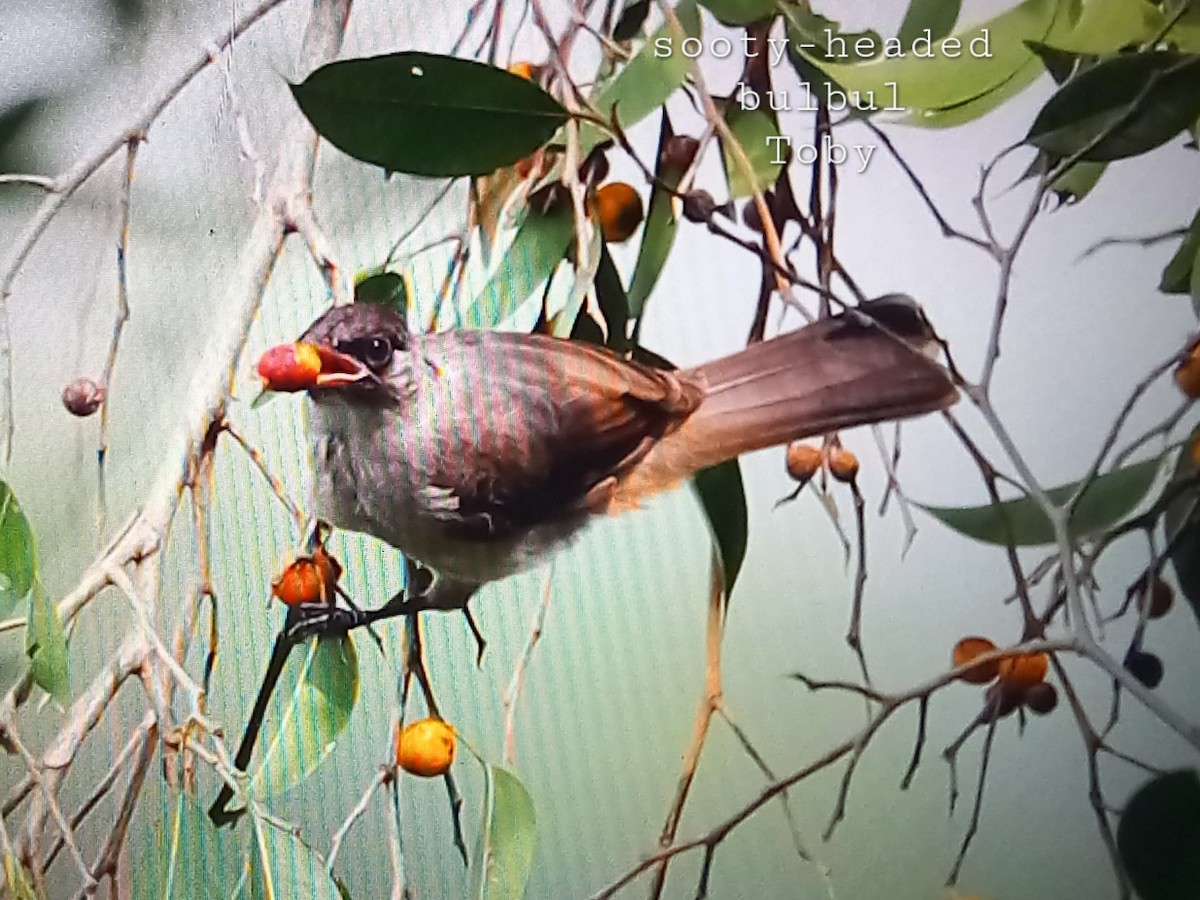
{"points": [[478, 453]]}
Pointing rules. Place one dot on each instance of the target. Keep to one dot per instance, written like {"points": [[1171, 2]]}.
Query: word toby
{"points": [[834, 151]]}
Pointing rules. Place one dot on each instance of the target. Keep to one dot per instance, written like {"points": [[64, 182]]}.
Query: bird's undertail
{"points": [[836, 373]]}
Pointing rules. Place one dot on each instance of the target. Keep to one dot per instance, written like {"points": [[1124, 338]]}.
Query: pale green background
{"points": [[613, 687]]}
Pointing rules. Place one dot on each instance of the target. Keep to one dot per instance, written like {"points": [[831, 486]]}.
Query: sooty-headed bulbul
{"points": [[479, 453]]}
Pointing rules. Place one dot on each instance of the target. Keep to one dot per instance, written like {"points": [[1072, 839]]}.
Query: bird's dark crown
{"points": [[344, 326]]}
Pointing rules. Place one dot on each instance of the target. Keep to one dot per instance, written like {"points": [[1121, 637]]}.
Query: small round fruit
{"points": [[843, 465], [1024, 670], [1145, 667], [1195, 452], [966, 650], [1187, 373], [426, 747], [1157, 600], [310, 579], [698, 206], [619, 209], [82, 397], [1041, 698], [1001, 699], [803, 461], [678, 152], [290, 367]]}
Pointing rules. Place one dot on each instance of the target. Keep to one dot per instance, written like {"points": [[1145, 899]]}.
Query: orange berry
{"points": [[1041, 698], [1187, 373], [843, 465], [1156, 600], [309, 579], [524, 69], [966, 650], [803, 461], [1195, 452], [290, 367], [1024, 670], [619, 208], [426, 747]]}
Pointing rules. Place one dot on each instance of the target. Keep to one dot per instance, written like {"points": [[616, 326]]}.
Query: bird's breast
{"points": [[370, 475]]}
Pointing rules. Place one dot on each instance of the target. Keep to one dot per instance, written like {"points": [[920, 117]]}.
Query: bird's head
{"points": [[346, 355]]}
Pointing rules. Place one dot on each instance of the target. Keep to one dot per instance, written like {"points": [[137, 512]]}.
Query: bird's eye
{"points": [[376, 353]]}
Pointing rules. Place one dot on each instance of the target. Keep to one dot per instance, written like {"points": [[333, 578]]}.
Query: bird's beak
{"points": [[303, 366]]}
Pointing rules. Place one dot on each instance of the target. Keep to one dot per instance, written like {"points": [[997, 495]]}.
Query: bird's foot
{"points": [[307, 620]]}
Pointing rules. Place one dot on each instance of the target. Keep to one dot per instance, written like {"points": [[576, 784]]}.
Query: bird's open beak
{"points": [[303, 366]]}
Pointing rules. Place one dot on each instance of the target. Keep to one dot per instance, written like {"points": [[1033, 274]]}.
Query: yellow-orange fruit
{"points": [[803, 461], [290, 367], [843, 465], [619, 209], [523, 68], [426, 747], [1024, 670], [1156, 600], [1187, 373], [310, 579], [966, 650], [1195, 452]]}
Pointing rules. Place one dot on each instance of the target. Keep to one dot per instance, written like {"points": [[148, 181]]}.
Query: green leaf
{"points": [[1109, 498], [18, 553], [654, 74], [193, 856], [386, 288], [821, 38], [1105, 26], [563, 319], [46, 646], [938, 16], [752, 128], [740, 12], [1177, 275], [939, 89], [310, 710], [283, 867], [1060, 64], [1159, 837], [658, 235], [1121, 107], [1181, 526], [425, 114], [614, 305], [539, 246], [1185, 34], [508, 836], [723, 497], [1077, 182]]}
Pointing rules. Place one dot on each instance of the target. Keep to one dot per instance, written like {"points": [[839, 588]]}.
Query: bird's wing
{"points": [[515, 430]]}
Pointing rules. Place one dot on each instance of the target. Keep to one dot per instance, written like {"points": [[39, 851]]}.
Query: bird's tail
{"points": [[837, 373]]}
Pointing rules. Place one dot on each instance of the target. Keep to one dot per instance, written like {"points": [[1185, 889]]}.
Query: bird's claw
{"points": [[306, 620]]}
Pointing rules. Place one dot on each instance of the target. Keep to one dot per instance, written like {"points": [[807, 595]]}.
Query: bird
{"points": [[480, 453]]}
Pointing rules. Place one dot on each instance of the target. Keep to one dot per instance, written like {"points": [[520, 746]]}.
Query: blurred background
{"points": [[613, 686]]}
